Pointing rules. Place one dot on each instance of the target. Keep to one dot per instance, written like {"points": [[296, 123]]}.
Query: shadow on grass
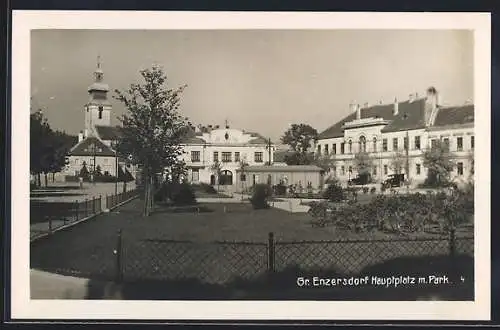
{"points": [[162, 208], [56, 188], [284, 285]]}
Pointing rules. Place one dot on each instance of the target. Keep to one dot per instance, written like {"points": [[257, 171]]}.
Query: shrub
{"points": [[365, 190], [183, 194], [334, 193], [207, 188], [279, 189], [261, 193], [373, 190]]}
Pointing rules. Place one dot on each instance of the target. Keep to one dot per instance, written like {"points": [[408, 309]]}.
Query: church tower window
{"points": [[100, 111]]}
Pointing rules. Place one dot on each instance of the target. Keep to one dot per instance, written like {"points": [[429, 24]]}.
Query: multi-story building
{"points": [[228, 147], [396, 135]]}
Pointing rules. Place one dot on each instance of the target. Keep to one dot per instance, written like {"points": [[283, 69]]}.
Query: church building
{"points": [[95, 146]]}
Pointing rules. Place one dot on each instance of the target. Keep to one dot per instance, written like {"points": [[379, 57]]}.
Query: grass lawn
{"points": [[149, 252]]}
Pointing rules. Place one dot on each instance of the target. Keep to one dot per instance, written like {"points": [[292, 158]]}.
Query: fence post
{"points": [[118, 252], [76, 210], [94, 200], [86, 208], [452, 246], [270, 253], [50, 224], [100, 206]]}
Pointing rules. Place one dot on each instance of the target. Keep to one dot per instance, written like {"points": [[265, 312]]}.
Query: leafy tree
{"points": [[439, 164], [299, 158], [398, 162], [216, 169], [48, 148], [300, 137], [153, 129], [325, 162], [363, 164], [242, 167], [84, 172]]}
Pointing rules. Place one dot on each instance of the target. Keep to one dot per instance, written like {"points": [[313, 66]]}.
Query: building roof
{"points": [[455, 115], [377, 111], [86, 148], [109, 133], [97, 86], [411, 115], [288, 168]]}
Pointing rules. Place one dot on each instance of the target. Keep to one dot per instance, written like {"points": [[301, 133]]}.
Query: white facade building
{"points": [[383, 131], [227, 146]]}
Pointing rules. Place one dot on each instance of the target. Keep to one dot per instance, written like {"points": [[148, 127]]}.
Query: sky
{"points": [[257, 80]]}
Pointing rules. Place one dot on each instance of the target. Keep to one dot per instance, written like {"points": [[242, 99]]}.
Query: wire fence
{"points": [[223, 262], [47, 217]]}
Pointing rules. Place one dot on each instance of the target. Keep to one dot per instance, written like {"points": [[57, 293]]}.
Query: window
{"points": [[334, 149], [384, 145], [237, 156], [216, 156], [374, 144], [385, 170], [258, 157], [374, 170], [342, 148], [350, 146], [342, 170], [100, 111], [460, 168], [405, 143], [472, 142], [434, 143], [418, 169], [395, 144], [334, 170], [226, 157], [350, 169], [362, 144], [319, 149], [195, 156], [460, 143], [326, 149], [446, 143], [417, 142], [195, 175]]}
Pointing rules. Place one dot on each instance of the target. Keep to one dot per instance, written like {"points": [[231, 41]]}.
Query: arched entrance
{"points": [[212, 180], [226, 178]]}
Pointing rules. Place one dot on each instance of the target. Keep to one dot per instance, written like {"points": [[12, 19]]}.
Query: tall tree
{"points": [[398, 162], [216, 169], [363, 163], [153, 129], [300, 137], [439, 164]]}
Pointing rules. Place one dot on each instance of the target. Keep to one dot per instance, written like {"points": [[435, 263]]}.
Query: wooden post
{"points": [[118, 252], [270, 253], [76, 210]]}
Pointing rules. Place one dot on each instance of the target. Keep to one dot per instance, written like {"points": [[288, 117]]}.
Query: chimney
{"points": [[411, 98], [80, 137], [358, 112], [395, 111], [352, 106], [367, 104], [431, 105], [380, 102], [416, 96]]}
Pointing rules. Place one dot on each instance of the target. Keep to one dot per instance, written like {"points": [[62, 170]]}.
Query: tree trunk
{"points": [[46, 179], [53, 177], [146, 196], [38, 180]]}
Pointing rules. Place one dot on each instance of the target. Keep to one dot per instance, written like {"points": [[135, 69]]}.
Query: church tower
{"points": [[98, 109]]}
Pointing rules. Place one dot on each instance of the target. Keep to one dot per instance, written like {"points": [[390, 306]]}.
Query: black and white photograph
{"points": [[320, 163]]}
